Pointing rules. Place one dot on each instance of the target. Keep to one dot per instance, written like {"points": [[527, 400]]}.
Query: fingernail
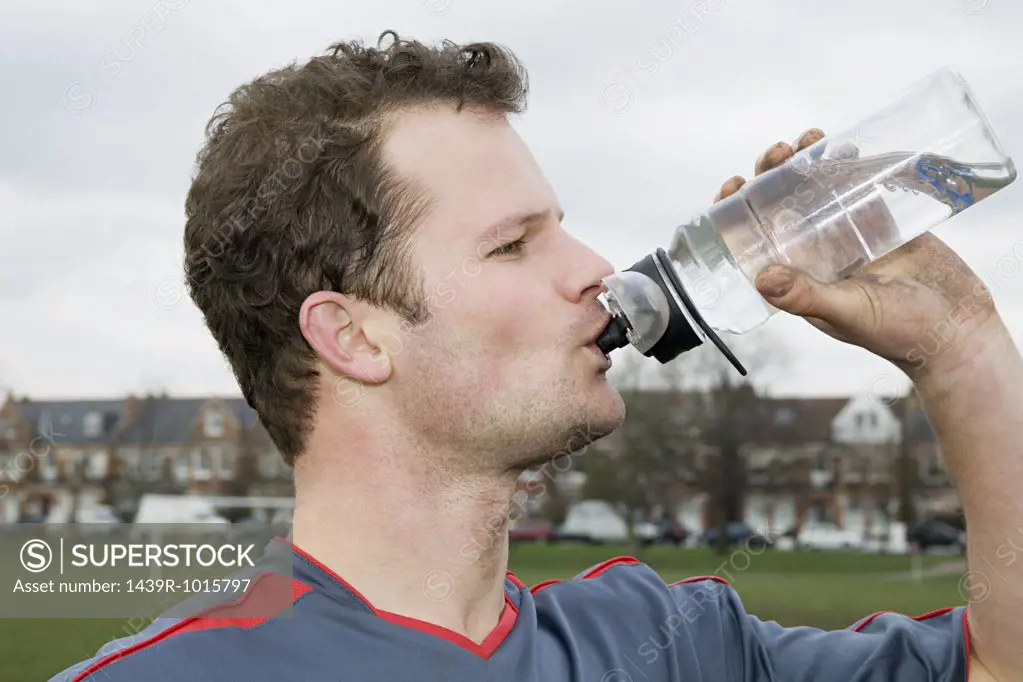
{"points": [[776, 283]]}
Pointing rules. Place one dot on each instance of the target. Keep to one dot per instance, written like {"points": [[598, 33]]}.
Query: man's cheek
{"points": [[445, 294]]}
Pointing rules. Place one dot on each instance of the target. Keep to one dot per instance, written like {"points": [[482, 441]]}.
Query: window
{"points": [[130, 463], [153, 466], [213, 424], [182, 463], [47, 467], [93, 424], [932, 469], [202, 464], [821, 462], [820, 513], [268, 464], [96, 465], [225, 465]]}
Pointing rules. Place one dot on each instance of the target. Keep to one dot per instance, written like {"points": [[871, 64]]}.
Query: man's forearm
{"points": [[976, 411]]}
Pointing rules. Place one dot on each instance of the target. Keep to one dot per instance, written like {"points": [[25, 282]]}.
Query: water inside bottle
{"points": [[866, 207], [828, 216]]}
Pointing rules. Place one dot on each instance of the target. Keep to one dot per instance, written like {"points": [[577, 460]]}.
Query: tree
{"points": [[554, 507], [636, 468], [905, 478], [730, 418], [697, 402]]}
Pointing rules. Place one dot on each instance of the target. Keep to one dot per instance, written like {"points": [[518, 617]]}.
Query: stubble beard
{"points": [[557, 442]]}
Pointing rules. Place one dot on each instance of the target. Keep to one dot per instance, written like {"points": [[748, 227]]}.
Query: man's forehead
{"points": [[480, 177]]}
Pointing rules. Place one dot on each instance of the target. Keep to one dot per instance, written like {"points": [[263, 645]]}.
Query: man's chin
{"points": [[609, 413], [573, 441], [600, 420]]}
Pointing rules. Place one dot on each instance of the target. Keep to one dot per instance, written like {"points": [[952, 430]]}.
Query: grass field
{"points": [[827, 590]]}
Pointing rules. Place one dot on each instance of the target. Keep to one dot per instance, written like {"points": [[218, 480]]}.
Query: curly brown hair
{"points": [[291, 197]]}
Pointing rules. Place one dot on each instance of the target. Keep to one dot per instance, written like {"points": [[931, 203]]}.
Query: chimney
{"points": [[132, 406]]}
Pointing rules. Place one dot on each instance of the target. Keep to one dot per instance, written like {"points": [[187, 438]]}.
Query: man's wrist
{"points": [[984, 356]]}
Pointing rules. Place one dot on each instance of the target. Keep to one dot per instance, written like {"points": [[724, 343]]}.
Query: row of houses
{"points": [[118, 450], [847, 462], [805, 460]]}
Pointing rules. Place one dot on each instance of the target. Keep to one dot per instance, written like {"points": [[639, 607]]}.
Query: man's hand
{"points": [[925, 310], [919, 306]]}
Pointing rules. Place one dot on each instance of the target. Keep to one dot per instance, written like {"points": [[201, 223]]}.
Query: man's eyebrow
{"points": [[518, 220]]}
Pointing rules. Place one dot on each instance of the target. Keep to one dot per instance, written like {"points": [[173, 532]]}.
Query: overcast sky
{"points": [[638, 112]]}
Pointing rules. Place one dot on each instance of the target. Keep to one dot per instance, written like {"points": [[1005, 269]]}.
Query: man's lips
{"points": [[606, 320], [605, 358]]}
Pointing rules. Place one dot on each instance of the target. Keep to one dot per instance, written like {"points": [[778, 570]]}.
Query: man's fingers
{"points": [[731, 186], [797, 293], [809, 138], [775, 155]]}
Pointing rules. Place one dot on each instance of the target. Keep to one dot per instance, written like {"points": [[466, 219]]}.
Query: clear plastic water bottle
{"points": [[830, 210]]}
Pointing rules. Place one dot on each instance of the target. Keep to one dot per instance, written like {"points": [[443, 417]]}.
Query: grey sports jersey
{"points": [[618, 622]]}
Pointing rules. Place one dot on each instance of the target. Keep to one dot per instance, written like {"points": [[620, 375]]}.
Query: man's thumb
{"points": [[797, 293]]}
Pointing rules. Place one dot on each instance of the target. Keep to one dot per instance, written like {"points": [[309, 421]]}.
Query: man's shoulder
{"points": [[630, 588], [621, 613], [626, 612], [203, 646], [631, 575]]}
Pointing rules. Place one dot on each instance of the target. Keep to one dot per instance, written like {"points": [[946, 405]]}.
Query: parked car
{"points": [[525, 529], [828, 536], [738, 533], [593, 521], [660, 532], [933, 533]]}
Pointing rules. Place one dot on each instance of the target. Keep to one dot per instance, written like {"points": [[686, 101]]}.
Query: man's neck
{"points": [[425, 544]]}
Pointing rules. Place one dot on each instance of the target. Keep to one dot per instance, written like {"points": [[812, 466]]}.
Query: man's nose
{"points": [[583, 270]]}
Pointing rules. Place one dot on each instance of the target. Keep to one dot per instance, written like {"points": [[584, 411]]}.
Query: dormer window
{"points": [[93, 425], [213, 424]]}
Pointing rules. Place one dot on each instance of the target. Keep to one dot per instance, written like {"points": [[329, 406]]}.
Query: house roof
{"points": [[70, 420], [168, 420], [162, 419], [158, 419], [764, 419], [789, 421]]}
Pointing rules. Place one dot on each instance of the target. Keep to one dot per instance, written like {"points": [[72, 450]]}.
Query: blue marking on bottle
{"points": [[937, 176]]}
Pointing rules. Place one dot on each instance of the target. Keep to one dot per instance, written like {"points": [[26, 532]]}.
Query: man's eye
{"points": [[509, 249]]}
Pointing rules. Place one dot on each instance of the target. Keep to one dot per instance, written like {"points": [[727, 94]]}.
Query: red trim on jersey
{"points": [[241, 612], [344, 583], [546, 583], [592, 573], [966, 638], [484, 649], [245, 613], [698, 579], [925, 616], [603, 566], [515, 581], [932, 614]]}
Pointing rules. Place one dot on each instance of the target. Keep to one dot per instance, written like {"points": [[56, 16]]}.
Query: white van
{"points": [[593, 521]]}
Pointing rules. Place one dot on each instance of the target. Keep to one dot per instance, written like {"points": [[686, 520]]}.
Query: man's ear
{"points": [[343, 333]]}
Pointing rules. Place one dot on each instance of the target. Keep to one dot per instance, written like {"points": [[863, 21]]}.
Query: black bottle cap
{"points": [[676, 284], [613, 337], [680, 336]]}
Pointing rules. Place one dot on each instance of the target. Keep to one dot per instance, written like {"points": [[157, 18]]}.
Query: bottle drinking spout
{"points": [[829, 210]]}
